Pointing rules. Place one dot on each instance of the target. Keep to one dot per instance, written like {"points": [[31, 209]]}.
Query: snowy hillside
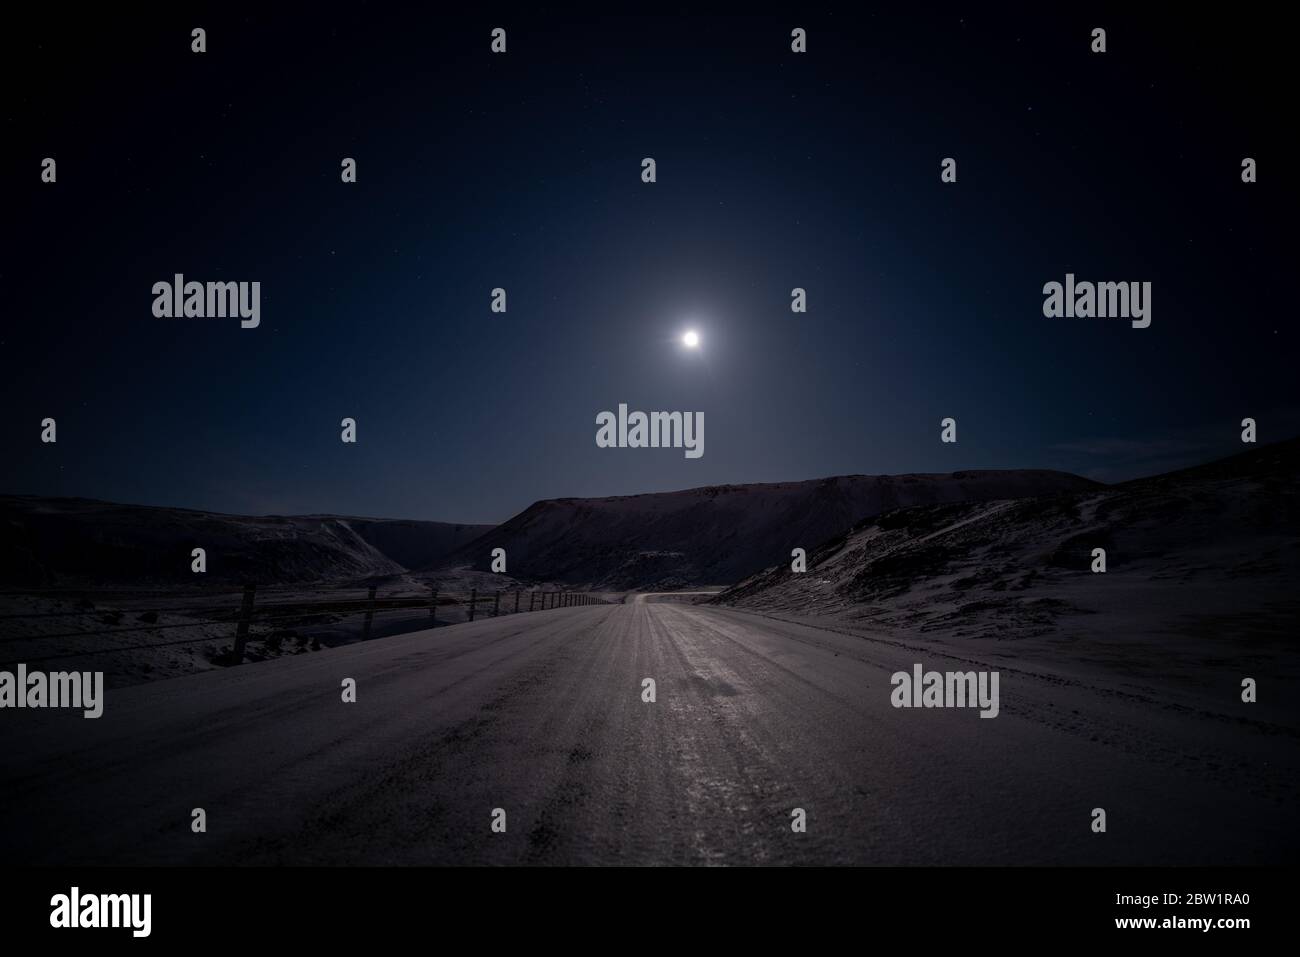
{"points": [[54, 541], [719, 534]]}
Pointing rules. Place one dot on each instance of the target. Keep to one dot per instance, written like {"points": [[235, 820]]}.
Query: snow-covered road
{"points": [[542, 715]]}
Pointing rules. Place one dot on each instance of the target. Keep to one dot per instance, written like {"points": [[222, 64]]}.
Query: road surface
{"points": [[542, 715]]}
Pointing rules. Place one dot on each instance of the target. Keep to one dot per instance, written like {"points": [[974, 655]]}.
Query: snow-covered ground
{"points": [[134, 636], [543, 715], [1201, 588]]}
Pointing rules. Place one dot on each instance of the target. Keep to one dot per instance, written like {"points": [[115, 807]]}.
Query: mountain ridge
{"points": [[1211, 548], [47, 541], [716, 534]]}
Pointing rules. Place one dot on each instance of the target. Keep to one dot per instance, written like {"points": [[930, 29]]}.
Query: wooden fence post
{"points": [[433, 608], [370, 613], [473, 600], [517, 596], [496, 605], [531, 595], [245, 616]]}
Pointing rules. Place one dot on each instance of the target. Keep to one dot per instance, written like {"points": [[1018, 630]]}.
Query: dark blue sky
{"points": [[523, 171]]}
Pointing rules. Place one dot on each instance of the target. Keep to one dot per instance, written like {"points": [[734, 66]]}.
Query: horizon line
{"points": [[670, 491]]}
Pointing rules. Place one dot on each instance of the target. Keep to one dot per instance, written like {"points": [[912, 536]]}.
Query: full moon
{"points": [[691, 339]]}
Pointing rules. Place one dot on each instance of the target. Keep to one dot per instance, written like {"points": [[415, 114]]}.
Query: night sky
{"points": [[775, 170]]}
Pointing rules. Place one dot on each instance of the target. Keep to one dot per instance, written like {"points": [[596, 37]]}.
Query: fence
{"points": [[283, 611]]}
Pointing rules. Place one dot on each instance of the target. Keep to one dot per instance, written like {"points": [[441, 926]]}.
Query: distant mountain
{"points": [[1212, 550], [720, 534], [410, 543], [48, 541]]}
